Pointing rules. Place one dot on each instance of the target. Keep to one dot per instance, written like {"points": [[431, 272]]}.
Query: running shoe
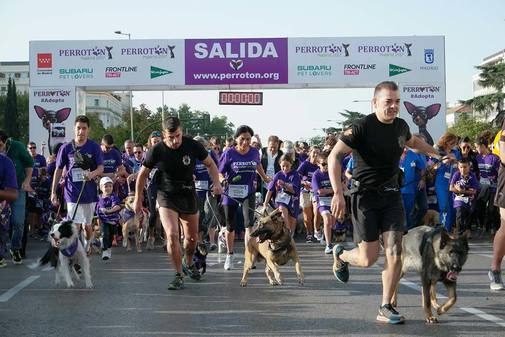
{"points": [[177, 283], [191, 271], [228, 263], [318, 235], [16, 257], [496, 281], [328, 249], [105, 255], [212, 247], [340, 268], [2, 262], [388, 314], [309, 238]]}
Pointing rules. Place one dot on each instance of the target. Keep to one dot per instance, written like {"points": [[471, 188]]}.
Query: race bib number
{"points": [[432, 199], [462, 198], [78, 174], [447, 175], [283, 197], [202, 184], [325, 201], [270, 172], [238, 191], [485, 181]]}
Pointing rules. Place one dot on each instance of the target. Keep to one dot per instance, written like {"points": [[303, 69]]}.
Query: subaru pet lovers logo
{"points": [[429, 56], [236, 55], [96, 53], [156, 52], [314, 70], [331, 50], [387, 49], [76, 73], [44, 63]]}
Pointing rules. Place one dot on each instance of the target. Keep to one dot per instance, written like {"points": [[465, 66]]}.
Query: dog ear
{"points": [[433, 110], [444, 238], [62, 114], [411, 108], [41, 112], [276, 214]]}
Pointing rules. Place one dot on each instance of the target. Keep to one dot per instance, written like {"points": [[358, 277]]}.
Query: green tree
{"points": [[11, 111], [468, 126], [96, 129], [350, 117], [491, 76], [23, 116]]}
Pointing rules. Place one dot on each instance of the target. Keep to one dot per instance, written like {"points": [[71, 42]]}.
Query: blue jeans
{"points": [[18, 219]]}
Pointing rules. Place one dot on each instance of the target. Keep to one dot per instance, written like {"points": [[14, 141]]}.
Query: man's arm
{"points": [[26, 186], [502, 151], [139, 187], [337, 154], [418, 144], [54, 187], [96, 173]]}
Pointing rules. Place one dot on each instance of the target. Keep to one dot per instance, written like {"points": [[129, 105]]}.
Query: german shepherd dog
{"points": [[437, 257], [271, 240]]}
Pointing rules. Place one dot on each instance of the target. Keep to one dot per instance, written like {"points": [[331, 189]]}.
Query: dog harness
{"points": [[128, 214], [70, 251]]}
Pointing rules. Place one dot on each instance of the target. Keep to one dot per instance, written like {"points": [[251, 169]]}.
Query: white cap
{"points": [[105, 180]]}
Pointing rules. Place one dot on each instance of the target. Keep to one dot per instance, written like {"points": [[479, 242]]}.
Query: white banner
{"points": [[365, 61], [423, 107], [51, 115], [110, 63]]}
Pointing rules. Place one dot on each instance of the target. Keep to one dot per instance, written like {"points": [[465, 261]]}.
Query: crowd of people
{"points": [[203, 191]]}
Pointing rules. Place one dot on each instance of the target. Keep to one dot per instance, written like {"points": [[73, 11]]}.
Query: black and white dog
{"points": [[66, 254]]}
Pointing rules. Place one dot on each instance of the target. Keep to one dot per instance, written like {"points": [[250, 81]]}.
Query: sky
{"points": [[472, 30]]}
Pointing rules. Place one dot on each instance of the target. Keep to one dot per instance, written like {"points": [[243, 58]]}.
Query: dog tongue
{"points": [[452, 276]]}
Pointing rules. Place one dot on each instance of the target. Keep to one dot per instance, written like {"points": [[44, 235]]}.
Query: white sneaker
{"points": [[105, 254], [328, 249], [318, 235], [228, 264], [109, 253], [496, 281]]}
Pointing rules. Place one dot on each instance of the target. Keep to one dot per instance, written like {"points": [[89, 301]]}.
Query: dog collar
{"points": [[70, 251]]}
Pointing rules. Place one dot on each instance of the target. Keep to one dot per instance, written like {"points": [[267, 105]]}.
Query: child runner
{"points": [[464, 185], [107, 209], [311, 217]]}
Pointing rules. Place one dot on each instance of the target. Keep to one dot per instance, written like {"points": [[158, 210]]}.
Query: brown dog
{"points": [[133, 224], [271, 240], [431, 218]]}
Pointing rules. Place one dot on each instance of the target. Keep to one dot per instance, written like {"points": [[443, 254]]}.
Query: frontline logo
{"points": [[157, 72], [397, 70], [95, 53], [150, 52], [76, 73], [44, 63], [114, 72], [235, 51], [331, 50], [387, 50], [315, 70], [354, 69]]}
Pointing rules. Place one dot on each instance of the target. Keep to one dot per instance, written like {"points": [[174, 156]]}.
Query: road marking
{"points": [[485, 316], [17, 288]]}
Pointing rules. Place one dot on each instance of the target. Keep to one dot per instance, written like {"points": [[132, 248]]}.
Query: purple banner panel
{"points": [[236, 61]]}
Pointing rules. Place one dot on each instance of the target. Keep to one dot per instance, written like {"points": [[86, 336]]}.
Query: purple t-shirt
{"points": [[488, 167], [321, 180], [111, 161], [73, 175], [108, 203], [202, 179], [306, 170], [38, 162], [240, 172], [7, 173], [282, 197], [465, 183]]}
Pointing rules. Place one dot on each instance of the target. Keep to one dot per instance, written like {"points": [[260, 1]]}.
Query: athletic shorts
{"points": [[183, 202], [374, 213], [499, 199], [230, 213], [306, 199], [84, 213]]}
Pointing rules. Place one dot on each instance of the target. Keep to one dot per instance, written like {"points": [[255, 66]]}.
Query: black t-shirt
{"points": [[175, 164], [377, 148]]}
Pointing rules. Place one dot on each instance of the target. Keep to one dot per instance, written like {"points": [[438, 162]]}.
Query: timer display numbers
{"points": [[240, 98]]}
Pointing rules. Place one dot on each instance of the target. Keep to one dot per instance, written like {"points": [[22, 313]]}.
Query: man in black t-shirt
{"points": [[377, 142], [175, 159]]}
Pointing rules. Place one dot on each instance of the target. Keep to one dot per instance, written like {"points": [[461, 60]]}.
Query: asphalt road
{"points": [[130, 299]]}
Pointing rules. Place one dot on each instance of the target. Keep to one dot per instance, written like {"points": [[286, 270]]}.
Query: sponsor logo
{"points": [[113, 72], [76, 73], [397, 70], [428, 68], [52, 96], [387, 50], [44, 63], [157, 72], [313, 70], [95, 53], [235, 51], [429, 56], [421, 91], [157, 52], [354, 69], [331, 50]]}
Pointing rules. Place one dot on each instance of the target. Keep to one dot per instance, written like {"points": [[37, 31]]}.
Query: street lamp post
{"points": [[131, 100]]}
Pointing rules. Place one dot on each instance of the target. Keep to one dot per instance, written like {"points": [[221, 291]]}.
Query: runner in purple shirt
{"points": [[464, 186], [38, 161], [285, 188], [8, 192], [238, 167], [107, 210], [323, 194], [76, 176], [112, 161], [311, 217]]}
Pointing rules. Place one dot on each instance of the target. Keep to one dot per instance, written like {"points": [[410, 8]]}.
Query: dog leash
{"points": [[231, 198], [78, 200]]}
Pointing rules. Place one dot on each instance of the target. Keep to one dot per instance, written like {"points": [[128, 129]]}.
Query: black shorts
{"points": [[374, 213], [230, 213], [183, 202], [499, 199]]}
